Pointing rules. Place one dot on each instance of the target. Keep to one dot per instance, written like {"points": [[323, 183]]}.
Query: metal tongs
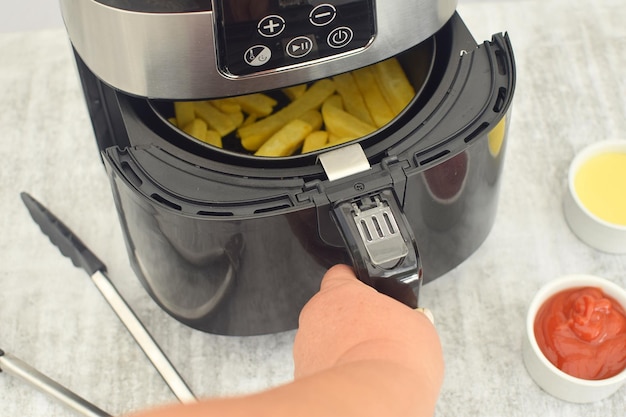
{"points": [[16, 367], [72, 247]]}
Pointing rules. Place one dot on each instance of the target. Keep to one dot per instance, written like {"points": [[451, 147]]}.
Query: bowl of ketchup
{"points": [[575, 340]]}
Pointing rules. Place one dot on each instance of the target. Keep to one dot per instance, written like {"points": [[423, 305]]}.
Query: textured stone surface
{"points": [[570, 92]]}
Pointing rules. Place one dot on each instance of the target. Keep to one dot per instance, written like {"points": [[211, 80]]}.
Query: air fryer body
{"points": [[235, 245]]}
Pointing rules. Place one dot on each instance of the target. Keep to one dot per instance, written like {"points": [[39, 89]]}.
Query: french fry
{"points": [[327, 113], [342, 124], [336, 140], [352, 98], [250, 119], [285, 141], [374, 100], [314, 118], [334, 101], [226, 105], [197, 128], [394, 85], [215, 119], [257, 103], [254, 135], [184, 113], [213, 138], [295, 91], [315, 141], [237, 118]]}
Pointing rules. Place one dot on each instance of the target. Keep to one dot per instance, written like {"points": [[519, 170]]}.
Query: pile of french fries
{"points": [[329, 112]]}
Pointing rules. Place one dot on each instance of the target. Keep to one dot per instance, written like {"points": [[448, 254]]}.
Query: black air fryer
{"points": [[232, 243]]}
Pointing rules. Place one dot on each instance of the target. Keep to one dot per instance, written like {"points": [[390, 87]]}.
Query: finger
{"points": [[340, 275]]}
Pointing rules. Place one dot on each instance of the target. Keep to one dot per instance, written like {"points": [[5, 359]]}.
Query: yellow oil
{"points": [[601, 186]]}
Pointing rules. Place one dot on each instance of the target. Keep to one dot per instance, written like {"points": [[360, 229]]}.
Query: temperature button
{"points": [[340, 37], [323, 14], [300, 47], [257, 55]]}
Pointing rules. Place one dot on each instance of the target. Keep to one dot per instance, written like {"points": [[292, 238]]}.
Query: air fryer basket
{"points": [[417, 64]]}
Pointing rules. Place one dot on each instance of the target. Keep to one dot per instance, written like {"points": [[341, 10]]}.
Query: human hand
{"points": [[348, 321], [357, 353]]}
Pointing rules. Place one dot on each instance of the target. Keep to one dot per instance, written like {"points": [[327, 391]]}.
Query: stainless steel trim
{"points": [[172, 55]]}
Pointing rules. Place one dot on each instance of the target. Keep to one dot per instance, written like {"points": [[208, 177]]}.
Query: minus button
{"points": [[323, 14]]}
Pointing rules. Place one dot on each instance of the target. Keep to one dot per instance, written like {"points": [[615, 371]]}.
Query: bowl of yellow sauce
{"points": [[595, 202]]}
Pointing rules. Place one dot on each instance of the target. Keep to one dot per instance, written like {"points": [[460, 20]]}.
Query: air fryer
{"points": [[232, 243]]}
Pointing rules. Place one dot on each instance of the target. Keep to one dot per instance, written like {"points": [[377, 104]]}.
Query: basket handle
{"points": [[381, 244]]}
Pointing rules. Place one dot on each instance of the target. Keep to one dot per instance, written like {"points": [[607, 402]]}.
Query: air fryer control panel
{"points": [[259, 35]]}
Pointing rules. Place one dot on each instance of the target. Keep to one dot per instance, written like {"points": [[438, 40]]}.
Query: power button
{"points": [[339, 37]]}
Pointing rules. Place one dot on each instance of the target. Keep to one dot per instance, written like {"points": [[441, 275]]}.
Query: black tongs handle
{"points": [[62, 237]]}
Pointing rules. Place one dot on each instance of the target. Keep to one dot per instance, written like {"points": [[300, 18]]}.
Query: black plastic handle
{"points": [[382, 246], [62, 237]]}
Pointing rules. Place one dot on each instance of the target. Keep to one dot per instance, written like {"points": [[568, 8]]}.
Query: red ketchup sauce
{"points": [[582, 331]]}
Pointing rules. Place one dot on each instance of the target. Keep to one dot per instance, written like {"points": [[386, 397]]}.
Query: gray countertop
{"points": [[570, 92]]}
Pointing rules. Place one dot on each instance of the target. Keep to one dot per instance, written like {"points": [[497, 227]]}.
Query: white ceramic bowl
{"points": [[544, 373], [594, 231]]}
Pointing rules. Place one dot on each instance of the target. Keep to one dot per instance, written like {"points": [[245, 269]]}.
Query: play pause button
{"points": [[300, 47]]}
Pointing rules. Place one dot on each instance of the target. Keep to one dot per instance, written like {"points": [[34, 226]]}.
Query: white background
{"points": [[16, 16]]}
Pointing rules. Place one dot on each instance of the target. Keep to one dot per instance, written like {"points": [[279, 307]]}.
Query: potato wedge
{"points": [[257, 103], [184, 113], [315, 141], [215, 119], [393, 84], [254, 135], [286, 140], [374, 100], [352, 97], [342, 124]]}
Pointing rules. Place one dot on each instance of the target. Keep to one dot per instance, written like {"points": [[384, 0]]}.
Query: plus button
{"points": [[271, 26]]}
